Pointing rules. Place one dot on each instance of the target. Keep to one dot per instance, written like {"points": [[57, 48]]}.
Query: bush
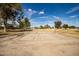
{"points": [[72, 27], [65, 26], [57, 24]]}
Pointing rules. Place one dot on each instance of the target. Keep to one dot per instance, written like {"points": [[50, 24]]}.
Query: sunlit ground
{"points": [[41, 42]]}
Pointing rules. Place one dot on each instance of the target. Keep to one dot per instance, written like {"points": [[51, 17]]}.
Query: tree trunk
{"points": [[5, 29]]}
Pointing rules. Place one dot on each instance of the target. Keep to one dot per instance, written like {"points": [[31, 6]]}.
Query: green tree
{"points": [[57, 24], [24, 23], [36, 27], [65, 26], [27, 23], [47, 26], [9, 11], [41, 27], [72, 27], [21, 25]]}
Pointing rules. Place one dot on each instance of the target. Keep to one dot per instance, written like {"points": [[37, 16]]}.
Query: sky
{"points": [[47, 13]]}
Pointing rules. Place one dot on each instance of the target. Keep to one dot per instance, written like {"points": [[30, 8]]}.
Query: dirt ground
{"points": [[40, 42]]}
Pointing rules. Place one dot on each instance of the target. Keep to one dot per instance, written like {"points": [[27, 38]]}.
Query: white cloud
{"points": [[44, 17], [56, 17], [41, 12], [74, 16], [34, 11], [73, 10], [30, 10]]}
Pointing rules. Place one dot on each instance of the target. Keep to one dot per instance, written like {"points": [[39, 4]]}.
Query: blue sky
{"points": [[47, 13]]}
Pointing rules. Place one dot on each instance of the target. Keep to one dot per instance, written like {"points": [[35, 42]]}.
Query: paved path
{"points": [[40, 42]]}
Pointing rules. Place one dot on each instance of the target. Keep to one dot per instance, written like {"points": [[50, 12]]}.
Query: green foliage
{"points": [[27, 23], [21, 24], [24, 23], [44, 27], [65, 26], [36, 27], [9, 11], [57, 24], [72, 27], [41, 27], [47, 26]]}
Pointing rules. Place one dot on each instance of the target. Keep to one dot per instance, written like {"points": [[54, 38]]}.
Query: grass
{"points": [[70, 32], [13, 32]]}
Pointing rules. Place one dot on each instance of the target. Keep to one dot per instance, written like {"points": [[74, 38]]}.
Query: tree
{"points": [[65, 26], [72, 27], [27, 23], [47, 26], [57, 24], [41, 27], [21, 25], [36, 27], [24, 23], [9, 11]]}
